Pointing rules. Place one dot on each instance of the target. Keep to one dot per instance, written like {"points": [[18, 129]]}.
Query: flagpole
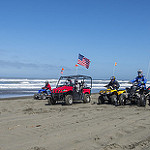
{"points": [[148, 70], [62, 71], [114, 69], [76, 71]]}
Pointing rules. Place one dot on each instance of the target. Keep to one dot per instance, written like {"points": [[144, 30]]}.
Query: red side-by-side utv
{"points": [[70, 89]]}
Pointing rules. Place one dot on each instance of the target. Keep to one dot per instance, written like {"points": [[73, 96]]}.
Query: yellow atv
{"points": [[111, 96]]}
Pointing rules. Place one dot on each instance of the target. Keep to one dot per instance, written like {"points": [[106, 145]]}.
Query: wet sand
{"points": [[28, 124]]}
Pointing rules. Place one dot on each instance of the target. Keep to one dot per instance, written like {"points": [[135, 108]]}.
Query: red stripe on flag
{"points": [[85, 62]]}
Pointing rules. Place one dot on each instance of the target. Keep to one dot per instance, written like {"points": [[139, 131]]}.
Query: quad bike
{"points": [[42, 94], [68, 92], [148, 95], [110, 96], [135, 95]]}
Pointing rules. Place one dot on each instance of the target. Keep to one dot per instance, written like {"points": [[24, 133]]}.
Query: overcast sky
{"points": [[39, 37]]}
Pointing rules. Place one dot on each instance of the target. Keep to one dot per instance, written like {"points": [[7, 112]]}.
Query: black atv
{"points": [[148, 95], [134, 94]]}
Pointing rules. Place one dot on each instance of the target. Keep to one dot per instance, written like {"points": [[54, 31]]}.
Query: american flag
{"points": [[83, 61]]}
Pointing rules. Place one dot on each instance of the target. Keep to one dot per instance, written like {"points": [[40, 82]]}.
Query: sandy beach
{"points": [[28, 124]]}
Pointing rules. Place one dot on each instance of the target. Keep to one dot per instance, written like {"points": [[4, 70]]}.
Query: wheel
{"points": [[51, 101], [43, 97], [139, 102], [148, 99], [39, 96], [122, 99], [35, 96], [133, 102], [68, 99], [101, 100], [87, 98], [114, 100], [142, 101]]}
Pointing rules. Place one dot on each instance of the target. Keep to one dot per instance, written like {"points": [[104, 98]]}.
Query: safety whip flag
{"points": [[76, 65], [83, 61], [62, 70]]}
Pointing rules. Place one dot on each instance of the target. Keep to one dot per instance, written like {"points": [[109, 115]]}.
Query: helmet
{"points": [[46, 82], [112, 78], [76, 81], [140, 72]]}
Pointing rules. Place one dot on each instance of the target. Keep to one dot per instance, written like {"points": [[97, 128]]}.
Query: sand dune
{"points": [[27, 124]]}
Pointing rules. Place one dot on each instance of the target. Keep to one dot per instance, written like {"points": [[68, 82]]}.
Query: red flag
{"points": [[76, 65], [62, 70]]}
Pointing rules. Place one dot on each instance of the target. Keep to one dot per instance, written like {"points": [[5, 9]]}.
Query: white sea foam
{"points": [[30, 86], [38, 83]]}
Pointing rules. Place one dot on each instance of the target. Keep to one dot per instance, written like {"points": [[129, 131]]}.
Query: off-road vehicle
{"points": [[134, 95], [42, 94], [110, 96], [70, 89], [148, 95]]}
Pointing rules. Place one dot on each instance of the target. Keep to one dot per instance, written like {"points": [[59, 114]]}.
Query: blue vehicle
{"points": [[42, 94]]}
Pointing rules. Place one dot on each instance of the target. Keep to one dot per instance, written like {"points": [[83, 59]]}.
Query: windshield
{"points": [[65, 82], [68, 81]]}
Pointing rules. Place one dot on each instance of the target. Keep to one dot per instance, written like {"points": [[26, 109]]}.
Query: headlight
{"points": [[108, 93]]}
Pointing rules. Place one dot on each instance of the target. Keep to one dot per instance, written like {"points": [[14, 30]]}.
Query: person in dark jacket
{"points": [[113, 84], [140, 79]]}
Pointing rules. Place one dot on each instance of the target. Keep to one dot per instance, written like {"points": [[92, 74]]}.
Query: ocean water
{"points": [[28, 87]]}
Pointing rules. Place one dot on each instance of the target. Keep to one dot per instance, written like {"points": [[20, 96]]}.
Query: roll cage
{"points": [[76, 77]]}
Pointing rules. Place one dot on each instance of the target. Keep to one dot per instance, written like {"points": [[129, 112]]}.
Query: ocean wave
{"points": [[38, 83], [31, 86]]}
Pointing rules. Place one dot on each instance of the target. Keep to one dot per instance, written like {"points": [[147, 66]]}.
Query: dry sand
{"points": [[27, 124]]}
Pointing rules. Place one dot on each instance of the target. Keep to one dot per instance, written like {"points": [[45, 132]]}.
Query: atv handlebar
{"points": [[109, 87]]}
